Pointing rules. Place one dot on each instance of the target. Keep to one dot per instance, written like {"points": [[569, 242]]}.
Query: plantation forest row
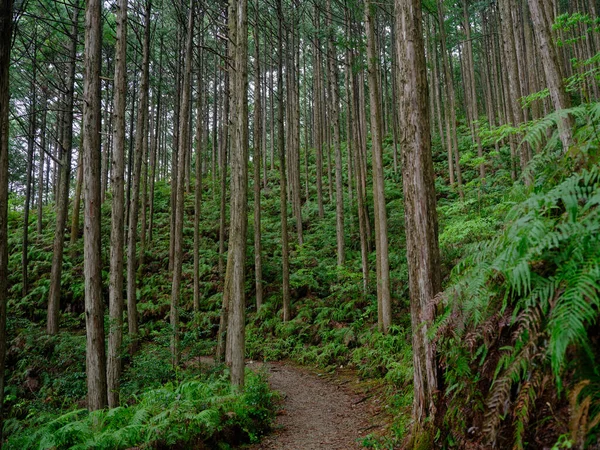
{"points": [[406, 189]]}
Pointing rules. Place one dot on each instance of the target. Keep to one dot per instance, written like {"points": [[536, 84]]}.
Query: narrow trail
{"points": [[316, 413]]}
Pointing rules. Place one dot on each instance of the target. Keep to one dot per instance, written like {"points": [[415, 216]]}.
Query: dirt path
{"points": [[316, 413]]}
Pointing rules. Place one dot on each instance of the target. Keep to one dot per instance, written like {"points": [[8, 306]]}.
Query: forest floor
{"points": [[320, 411]]}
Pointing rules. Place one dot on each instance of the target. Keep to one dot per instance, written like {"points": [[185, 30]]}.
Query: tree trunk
{"points": [[420, 214], [6, 31], [31, 140], [451, 100], [175, 152], [335, 119], [76, 204], [285, 253], [318, 109], [384, 301], [42, 157], [258, 135], [223, 163], [184, 131], [94, 314], [236, 260], [198, 175], [470, 65], [63, 190], [229, 78], [513, 93], [141, 137], [359, 168], [117, 233], [155, 143], [560, 98]]}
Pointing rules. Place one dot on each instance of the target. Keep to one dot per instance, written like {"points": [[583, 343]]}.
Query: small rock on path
{"points": [[316, 414]]}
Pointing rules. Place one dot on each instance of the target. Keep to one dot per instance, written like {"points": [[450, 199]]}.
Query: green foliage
{"points": [[527, 296], [187, 413]]}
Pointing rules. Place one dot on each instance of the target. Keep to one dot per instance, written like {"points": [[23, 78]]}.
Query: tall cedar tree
{"points": [[94, 307], [62, 205], [117, 235], [6, 29], [420, 212], [239, 200]]}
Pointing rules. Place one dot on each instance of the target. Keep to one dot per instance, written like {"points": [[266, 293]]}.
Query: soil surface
{"points": [[317, 411]]}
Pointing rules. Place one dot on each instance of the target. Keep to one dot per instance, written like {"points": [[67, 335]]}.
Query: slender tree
{"points": [[6, 31], [258, 141], [31, 141], [66, 144], [384, 301], [420, 213], [285, 252], [335, 117], [141, 137], [236, 259], [117, 234], [184, 124], [198, 175], [94, 308], [41, 159]]}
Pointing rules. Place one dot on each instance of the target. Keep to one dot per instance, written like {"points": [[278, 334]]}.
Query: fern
{"points": [[167, 416], [539, 280]]}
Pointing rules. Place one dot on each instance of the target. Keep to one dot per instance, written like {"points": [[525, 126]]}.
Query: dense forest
{"points": [[408, 190]]}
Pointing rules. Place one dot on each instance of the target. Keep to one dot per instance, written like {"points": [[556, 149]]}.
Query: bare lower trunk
{"points": [[117, 234], [6, 31], [63, 190], [384, 300], [236, 260], [287, 313], [179, 213], [335, 118], [258, 135], [94, 310], [141, 138], [420, 214], [198, 176]]}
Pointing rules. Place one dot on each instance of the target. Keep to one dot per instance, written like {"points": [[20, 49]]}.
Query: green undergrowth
{"points": [[518, 336], [160, 407], [197, 411]]}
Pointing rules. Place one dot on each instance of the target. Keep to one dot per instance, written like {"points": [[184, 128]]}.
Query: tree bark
{"points": [[198, 174], [285, 261], [560, 98], [318, 111], [76, 204], [184, 130], [117, 233], [141, 137], [94, 314], [513, 93], [335, 118], [6, 31], [236, 260], [451, 100], [420, 213], [384, 301], [63, 190], [258, 141], [155, 143], [31, 140], [42, 157], [470, 65]]}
